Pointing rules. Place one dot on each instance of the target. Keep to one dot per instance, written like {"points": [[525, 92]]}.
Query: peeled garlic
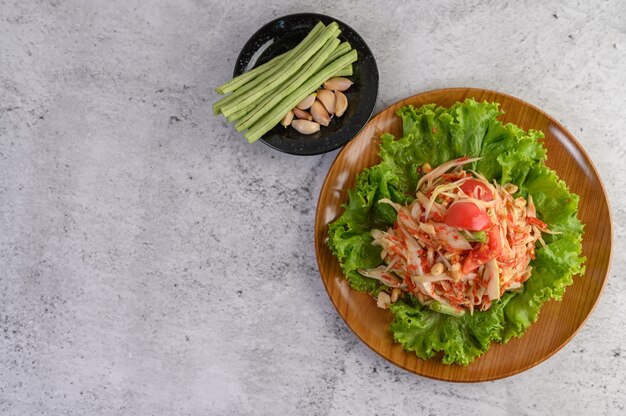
{"points": [[383, 300], [437, 269], [455, 271], [338, 84], [287, 119], [341, 103], [328, 99], [307, 102], [319, 113], [301, 114], [305, 126]]}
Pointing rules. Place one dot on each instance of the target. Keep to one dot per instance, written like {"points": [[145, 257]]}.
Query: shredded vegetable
{"points": [[483, 237]]}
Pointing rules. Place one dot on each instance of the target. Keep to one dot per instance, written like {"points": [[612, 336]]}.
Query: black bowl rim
{"points": [[239, 67]]}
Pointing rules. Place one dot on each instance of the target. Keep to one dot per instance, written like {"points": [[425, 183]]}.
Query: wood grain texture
{"points": [[558, 321]]}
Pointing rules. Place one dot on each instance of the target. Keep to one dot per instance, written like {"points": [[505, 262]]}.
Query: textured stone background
{"points": [[153, 263]]}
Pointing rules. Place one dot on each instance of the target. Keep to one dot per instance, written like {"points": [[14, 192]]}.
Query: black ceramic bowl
{"points": [[283, 34]]}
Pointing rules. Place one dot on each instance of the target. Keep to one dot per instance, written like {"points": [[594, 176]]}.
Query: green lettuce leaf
{"points": [[509, 155]]}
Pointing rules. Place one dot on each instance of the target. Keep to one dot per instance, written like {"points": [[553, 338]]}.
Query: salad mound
{"points": [[461, 230], [460, 244]]}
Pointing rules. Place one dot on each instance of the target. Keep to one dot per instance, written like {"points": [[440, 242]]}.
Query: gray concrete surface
{"points": [[154, 263]]}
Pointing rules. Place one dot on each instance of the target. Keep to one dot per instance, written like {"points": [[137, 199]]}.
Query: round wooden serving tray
{"points": [[558, 321]]}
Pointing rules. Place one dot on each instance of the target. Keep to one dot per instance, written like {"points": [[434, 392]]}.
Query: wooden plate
{"points": [[558, 321]]}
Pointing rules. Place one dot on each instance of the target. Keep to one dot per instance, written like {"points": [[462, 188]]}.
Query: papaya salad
{"points": [[461, 231], [460, 244]]}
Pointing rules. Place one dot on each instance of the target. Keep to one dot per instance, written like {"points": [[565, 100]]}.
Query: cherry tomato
{"points": [[471, 185], [467, 216]]}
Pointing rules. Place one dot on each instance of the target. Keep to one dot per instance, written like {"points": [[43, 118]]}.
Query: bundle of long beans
{"points": [[261, 97]]}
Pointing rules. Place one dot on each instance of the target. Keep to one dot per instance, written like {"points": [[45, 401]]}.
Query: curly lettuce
{"points": [[509, 155]]}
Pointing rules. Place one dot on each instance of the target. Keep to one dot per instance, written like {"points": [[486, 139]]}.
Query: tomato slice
{"points": [[467, 216], [409, 282], [474, 185], [477, 258], [491, 250], [436, 217], [495, 242]]}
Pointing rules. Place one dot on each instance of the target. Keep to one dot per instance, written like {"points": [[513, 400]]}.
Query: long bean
{"points": [[272, 118], [251, 83], [314, 64], [345, 72], [250, 111], [240, 80], [287, 70], [239, 114], [342, 49], [306, 42]]}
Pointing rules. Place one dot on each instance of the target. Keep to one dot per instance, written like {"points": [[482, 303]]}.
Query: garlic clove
{"points": [[328, 99], [395, 294], [341, 103], [384, 300], [338, 84], [301, 114], [286, 121], [307, 102], [305, 126], [319, 113]]}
